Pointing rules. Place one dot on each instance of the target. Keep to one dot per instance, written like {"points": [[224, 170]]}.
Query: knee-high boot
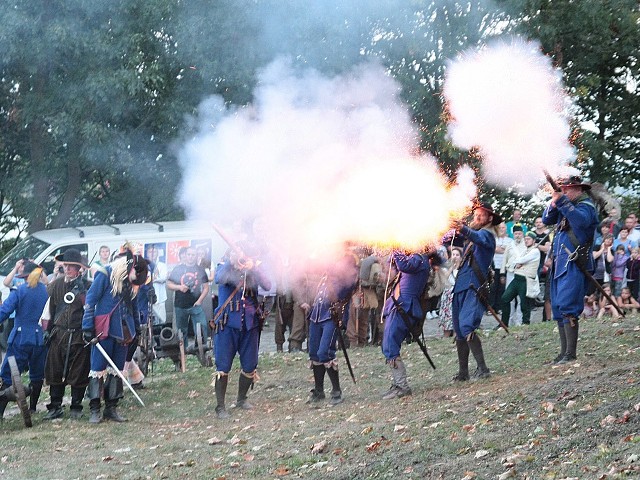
{"points": [[55, 406], [221, 392], [563, 343], [77, 394], [400, 386], [36, 388], [113, 392], [476, 348], [317, 394], [336, 391], [244, 383], [463, 360], [571, 332], [93, 392]]}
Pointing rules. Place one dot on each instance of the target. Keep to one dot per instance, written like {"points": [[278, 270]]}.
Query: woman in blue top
{"points": [[26, 342], [114, 290]]}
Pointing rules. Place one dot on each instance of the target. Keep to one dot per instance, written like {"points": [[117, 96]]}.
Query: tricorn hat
{"points": [[71, 256], [497, 219], [573, 181]]}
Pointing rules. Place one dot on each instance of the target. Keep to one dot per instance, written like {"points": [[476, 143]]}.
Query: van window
{"points": [[30, 247], [49, 261]]}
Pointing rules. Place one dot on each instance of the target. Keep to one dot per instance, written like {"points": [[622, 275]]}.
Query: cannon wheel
{"points": [[18, 388]]}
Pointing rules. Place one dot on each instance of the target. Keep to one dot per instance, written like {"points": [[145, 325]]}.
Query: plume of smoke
{"points": [[321, 161], [508, 100]]}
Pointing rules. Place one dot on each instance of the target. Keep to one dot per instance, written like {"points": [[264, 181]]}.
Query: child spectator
{"points": [[605, 307], [618, 267], [626, 302], [590, 306], [633, 272]]}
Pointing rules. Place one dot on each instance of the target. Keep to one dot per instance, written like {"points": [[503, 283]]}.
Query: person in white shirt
{"points": [[513, 252], [159, 279], [525, 283]]}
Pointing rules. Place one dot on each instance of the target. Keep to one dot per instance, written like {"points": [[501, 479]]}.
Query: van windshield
{"points": [[30, 247]]}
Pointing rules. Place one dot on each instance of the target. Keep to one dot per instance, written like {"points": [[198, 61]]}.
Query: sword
{"points": [[66, 358], [485, 303], [416, 337], [587, 274], [113, 365], [336, 321]]}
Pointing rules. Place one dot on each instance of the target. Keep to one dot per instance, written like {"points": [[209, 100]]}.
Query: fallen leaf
{"points": [[248, 457], [366, 430], [108, 458], [508, 474], [399, 428], [469, 428], [281, 471], [372, 447], [319, 447], [481, 453], [214, 441]]}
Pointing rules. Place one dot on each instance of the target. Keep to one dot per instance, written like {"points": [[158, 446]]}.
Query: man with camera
{"points": [[68, 362]]}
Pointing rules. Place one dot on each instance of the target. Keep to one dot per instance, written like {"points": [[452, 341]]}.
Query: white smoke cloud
{"points": [[321, 161], [508, 100]]}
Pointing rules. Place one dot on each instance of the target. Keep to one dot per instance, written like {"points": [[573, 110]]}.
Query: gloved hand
{"points": [[87, 335]]}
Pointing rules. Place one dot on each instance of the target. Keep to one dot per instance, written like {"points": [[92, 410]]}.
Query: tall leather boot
{"points": [[563, 343], [571, 332], [93, 392], [221, 392], [317, 394], [476, 348], [113, 392], [336, 391], [36, 388], [77, 394], [55, 406], [463, 361], [244, 383], [400, 387]]}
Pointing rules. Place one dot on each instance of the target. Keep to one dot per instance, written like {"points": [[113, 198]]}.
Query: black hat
{"points": [[573, 181], [28, 268], [517, 228], [141, 266], [497, 219], [71, 256]]}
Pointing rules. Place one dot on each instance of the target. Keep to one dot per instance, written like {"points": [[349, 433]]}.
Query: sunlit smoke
{"points": [[508, 100], [320, 161]]}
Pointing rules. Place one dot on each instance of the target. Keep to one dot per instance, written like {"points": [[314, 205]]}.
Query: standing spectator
{"points": [[624, 240], [190, 283], [614, 222], [26, 342], [113, 292], [618, 266], [525, 276], [158, 271], [68, 361], [631, 222], [403, 312], [516, 220], [237, 327], [446, 320], [633, 272], [477, 255], [602, 264], [365, 299], [499, 279], [104, 253], [514, 251], [576, 220]]}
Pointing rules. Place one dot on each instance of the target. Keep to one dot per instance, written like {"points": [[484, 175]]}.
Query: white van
{"points": [[168, 237]]}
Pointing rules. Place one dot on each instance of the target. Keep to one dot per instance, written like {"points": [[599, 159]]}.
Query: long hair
{"points": [[34, 277], [120, 278]]}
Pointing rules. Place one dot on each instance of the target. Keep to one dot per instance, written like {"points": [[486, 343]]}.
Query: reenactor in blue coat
{"points": [[329, 312], [574, 214], [402, 312], [238, 322], [113, 292], [471, 287], [26, 342]]}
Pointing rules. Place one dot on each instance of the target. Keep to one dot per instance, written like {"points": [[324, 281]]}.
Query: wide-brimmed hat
{"points": [[71, 256], [573, 181], [497, 219], [28, 268]]}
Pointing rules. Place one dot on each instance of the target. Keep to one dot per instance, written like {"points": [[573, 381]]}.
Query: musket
{"points": [[106, 356], [593, 280], [551, 181], [416, 337], [335, 311], [485, 303]]}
